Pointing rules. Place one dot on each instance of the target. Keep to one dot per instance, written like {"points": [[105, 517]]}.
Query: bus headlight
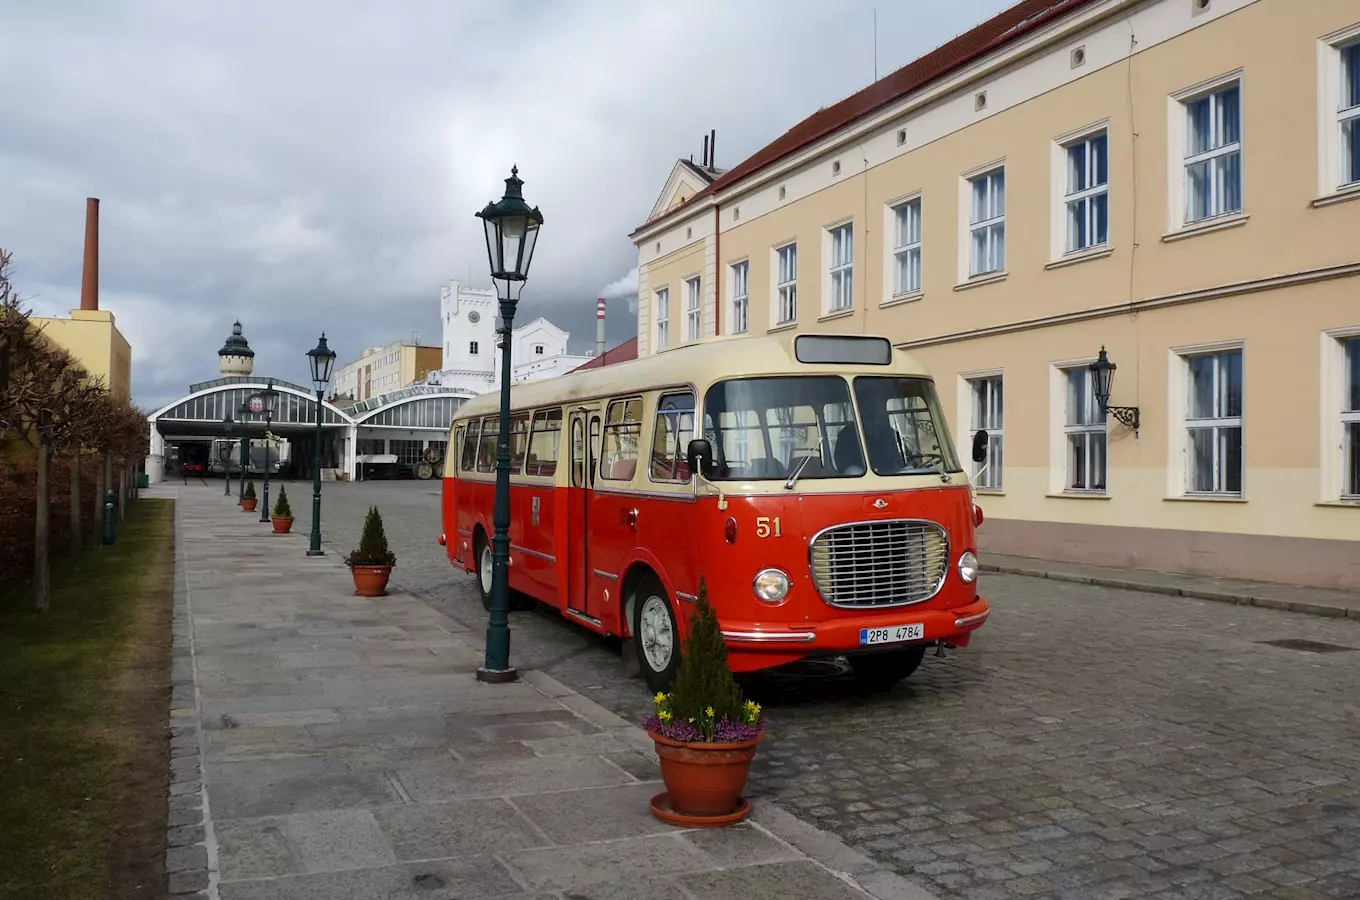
{"points": [[771, 586], [968, 567]]}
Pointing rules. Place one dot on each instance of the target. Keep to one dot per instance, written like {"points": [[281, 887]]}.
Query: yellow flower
{"points": [[664, 716], [691, 720], [709, 712], [660, 697]]}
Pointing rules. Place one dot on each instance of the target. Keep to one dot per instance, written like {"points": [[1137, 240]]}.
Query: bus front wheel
{"points": [[655, 635], [878, 672], [484, 571]]}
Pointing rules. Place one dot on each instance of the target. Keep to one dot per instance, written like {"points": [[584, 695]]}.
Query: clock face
{"points": [[474, 317]]}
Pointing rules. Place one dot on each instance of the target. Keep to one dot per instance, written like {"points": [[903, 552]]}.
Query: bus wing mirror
{"points": [[980, 446], [700, 456]]}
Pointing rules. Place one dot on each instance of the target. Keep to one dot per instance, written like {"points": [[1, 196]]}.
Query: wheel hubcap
{"points": [[658, 640], [486, 569]]}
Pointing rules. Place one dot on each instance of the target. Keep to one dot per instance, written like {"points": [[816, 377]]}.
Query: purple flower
{"points": [[726, 732]]}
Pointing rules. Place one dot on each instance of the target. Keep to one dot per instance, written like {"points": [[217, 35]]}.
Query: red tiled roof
{"points": [[622, 353], [991, 35]]}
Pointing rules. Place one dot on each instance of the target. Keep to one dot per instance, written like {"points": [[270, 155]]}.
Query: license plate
{"points": [[893, 634]]}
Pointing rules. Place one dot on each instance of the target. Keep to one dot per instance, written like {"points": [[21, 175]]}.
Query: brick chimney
{"points": [[89, 282]]}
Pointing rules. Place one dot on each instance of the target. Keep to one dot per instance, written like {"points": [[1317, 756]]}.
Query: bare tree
{"points": [[84, 421]]}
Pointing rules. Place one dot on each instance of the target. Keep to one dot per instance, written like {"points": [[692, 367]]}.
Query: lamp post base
{"points": [[496, 676], [316, 552]]}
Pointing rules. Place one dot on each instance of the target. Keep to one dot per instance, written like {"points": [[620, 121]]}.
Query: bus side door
{"points": [[583, 422]]}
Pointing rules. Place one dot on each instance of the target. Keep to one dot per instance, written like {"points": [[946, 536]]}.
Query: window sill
{"points": [[1340, 504], [1340, 195], [1077, 495], [1080, 256], [838, 314], [990, 492], [1206, 226], [980, 280], [784, 326], [899, 299], [1205, 498]]}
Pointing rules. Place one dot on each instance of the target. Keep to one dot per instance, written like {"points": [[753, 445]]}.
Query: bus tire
{"points": [[483, 550], [878, 672], [655, 634]]}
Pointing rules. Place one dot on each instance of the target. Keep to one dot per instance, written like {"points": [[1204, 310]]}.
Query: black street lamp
{"points": [[1102, 376], [227, 424], [262, 404], [244, 413], [322, 360], [511, 234]]}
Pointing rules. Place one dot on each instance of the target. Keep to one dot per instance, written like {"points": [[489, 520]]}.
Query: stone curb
{"points": [[1132, 584], [187, 839], [822, 848]]}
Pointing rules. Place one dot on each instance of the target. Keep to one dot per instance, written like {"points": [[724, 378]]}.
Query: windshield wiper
{"points": [[802, 464]]}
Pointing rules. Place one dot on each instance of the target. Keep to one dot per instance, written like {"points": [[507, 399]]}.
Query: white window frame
{"points": [[1065, 198], [1093, 424], [663, 317], [739, 289], [1332, 117], [694, 308], [985, 213], [1180, 160], [904, 247], [784, 299], [986, 417], [1182, 453], [1335, 417], [838, 288]]}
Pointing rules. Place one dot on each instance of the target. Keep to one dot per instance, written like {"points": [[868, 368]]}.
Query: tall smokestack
{"points": [[89, 281], [599, 327]]}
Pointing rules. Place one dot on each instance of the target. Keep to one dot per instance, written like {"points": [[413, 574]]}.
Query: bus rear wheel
{"points": [[518, 602], [878, 672], [655, 635]]}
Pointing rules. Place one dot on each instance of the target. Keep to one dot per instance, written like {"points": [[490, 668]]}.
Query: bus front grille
{"points": [[885, 563]]}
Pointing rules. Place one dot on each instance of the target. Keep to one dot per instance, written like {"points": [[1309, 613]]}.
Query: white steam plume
{"points": [[625, 287]]}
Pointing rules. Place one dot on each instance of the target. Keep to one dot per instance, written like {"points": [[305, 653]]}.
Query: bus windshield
{"points": [[766, 429], [903, 428]]}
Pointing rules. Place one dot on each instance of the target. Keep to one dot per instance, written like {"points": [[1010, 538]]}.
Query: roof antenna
{"points": [[875, 44]]}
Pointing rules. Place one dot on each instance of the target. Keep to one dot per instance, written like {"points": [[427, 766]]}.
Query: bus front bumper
{"points": [[761, 645]]}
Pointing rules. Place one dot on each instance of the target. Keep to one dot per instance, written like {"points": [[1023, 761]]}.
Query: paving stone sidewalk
{"points": [[329, 747], [1291, 598]]}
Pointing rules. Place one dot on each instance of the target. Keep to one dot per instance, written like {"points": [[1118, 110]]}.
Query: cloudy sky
{"points": [[309, 165]]}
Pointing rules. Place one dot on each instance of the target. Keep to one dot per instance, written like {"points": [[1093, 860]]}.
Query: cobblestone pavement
{"points": [[1093, 743]]}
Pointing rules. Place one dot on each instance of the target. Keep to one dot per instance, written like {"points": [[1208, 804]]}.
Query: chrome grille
{"points": [[884, 563]]}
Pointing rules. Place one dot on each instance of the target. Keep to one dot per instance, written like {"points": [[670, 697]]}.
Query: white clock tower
{"points": [[468, 318]]}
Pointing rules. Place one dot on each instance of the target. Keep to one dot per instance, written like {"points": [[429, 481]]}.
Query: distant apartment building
{"points": [[471, 355], [380, 370], [1176, 182]]}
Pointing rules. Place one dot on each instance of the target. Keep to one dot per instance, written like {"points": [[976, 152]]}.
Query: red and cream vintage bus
{"points": [[809, 480]]}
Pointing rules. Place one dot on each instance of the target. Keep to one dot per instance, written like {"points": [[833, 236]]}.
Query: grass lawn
{"points": [[84, 699]]}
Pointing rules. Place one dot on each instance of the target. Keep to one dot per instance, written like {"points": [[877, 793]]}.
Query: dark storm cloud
{"points": [[307, 165]]}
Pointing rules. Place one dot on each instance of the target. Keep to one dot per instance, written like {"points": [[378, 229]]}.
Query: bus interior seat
{"points": [[812, 469], [848, 458], [623, 470]]}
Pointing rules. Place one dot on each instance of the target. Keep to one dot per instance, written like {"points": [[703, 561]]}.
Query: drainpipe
{"points": [[717, 271]]}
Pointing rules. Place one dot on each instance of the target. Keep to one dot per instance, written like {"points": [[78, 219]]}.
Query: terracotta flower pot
{"points": [[371, 581], [249, 505], [282, 524], [704, 781]]}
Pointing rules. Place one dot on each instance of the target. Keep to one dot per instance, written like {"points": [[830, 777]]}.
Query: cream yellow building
{"points": [[1167, 179], [382, 369], [94, 340]]}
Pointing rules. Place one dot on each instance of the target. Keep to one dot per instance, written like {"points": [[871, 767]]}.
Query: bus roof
{"points": [[701, 364]]}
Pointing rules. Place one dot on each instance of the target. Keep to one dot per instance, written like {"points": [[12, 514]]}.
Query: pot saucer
{"points": [[661, 808]]}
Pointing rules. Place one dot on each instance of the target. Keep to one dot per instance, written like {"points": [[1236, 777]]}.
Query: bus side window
{"points": [[486, 447], [578, 453], [543, 441], [451, 460], [519, 440], [622, 433], [467, 462], [670, 438]]}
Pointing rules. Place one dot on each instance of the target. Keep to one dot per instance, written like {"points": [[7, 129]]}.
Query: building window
{"points": [[692, 312], [989, 414], [1213, 154], [663, 322], [907, 247], [741, 300], [842, 270], [1088, 193], [987, 222], [786, 285], [1085, 434], [538, 349], [1350, 421], [1213, 423], [408, 453], [1348, 113], [472, 347]]}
